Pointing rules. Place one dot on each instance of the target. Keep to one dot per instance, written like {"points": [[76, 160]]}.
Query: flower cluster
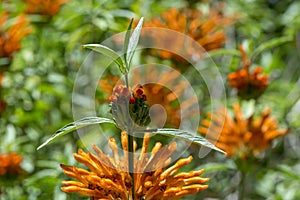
{"points": [[249, 85], [206, 30], [125, 103], [44, 7], [157, 93], [108, 177], [11, 36], [10, 164], [240, 136]]}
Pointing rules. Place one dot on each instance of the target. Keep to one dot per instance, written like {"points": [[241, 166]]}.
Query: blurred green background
{"points": [[37, 84]]}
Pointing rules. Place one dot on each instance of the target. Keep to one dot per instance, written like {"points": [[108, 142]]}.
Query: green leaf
{"points": [[126, 42], [288, 172], [76, 36], [108, 52], [133, 42], [270, 44], [4, 61], [222, 52], [188, 136], [217, 167], [74, 126]]}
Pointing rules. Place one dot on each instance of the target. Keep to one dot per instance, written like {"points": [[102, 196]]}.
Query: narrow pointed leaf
{"points": [[133, 41], [217, 167], [108, 52], [126, 42], [222, 52], [188, 136], [74, 126], [270, 44]]}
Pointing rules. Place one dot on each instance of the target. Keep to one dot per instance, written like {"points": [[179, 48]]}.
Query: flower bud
{"points": [[129, 107]]}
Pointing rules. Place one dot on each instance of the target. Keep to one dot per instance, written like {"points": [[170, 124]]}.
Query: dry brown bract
{"points": [[239, 136], [108, 177]]}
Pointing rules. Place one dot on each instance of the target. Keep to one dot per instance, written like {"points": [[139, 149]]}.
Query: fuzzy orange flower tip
{"points": [[44, 7], [108, 177], [239, 136], [10, 164], [205, 29], [11, 36], [248, 84]]}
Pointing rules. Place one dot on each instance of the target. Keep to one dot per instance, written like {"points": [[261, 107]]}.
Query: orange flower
{"points": [[206, 30], [108, 177], [248, 85], [10, 37], [10, 164], [264, 130], [44, 7], [240, 136]]}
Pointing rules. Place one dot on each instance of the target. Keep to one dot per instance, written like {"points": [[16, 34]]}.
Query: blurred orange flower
{"points": [[44, 7], [239, 136], [159, 93], [10, 164], [206, 30], [11, 36], [249, 85], [108, 177]]}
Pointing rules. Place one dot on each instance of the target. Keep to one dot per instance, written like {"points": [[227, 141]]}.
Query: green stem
{"points": [[242, 185], [131, 162], [130, 151]]}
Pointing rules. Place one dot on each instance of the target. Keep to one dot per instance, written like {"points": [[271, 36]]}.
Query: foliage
{"points": [[36, 86]]}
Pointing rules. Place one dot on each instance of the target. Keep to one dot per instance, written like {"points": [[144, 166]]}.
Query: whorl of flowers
{"points": [[155, 176], [205, 29], [239, 136], [248, 84]]}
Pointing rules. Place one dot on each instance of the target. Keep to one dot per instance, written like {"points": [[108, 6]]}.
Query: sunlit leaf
{"points": [[108, 52], [126, 41], [188, 136], [74, 126], [133, 41]]}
